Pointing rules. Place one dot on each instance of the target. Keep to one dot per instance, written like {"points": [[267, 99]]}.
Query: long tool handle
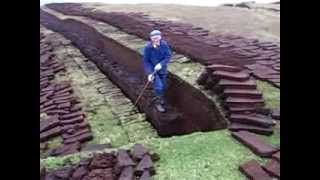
{"points": [[144, 88]]}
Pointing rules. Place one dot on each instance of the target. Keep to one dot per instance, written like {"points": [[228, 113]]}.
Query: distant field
{"points": [[257, 23]]}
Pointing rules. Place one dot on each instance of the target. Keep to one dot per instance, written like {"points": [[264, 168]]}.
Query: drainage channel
{"points": [[124, 67]]}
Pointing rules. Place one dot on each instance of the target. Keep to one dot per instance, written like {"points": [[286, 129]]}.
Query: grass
{"points": [[212, 155], [51, 163], [271, 94], [274, 139], [206, 156], [106, 128], [55, 142]]}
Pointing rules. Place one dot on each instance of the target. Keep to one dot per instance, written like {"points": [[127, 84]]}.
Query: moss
{"points": [[51, 163], [274, 139], [55, 142], [271, 94], [106, 128], [188, 71], [139, 131]]}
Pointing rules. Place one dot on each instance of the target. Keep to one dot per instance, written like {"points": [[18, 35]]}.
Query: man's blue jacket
{"points": [[153, 56]]}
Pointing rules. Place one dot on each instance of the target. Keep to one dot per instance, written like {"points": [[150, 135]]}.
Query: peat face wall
{"points": [[188, 110]]}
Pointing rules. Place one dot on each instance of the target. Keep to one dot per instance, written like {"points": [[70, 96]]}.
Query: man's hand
{"points": [[157, 67], [150, 77]]}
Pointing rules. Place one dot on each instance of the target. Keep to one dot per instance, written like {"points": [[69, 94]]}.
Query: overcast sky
{"points": [[184, 2]]}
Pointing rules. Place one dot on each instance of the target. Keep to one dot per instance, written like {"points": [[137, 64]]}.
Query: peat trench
{"points": [[262, 59], [188, 110]]}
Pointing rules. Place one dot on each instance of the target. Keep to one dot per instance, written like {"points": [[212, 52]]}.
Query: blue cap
{"points": [[155, 33]]}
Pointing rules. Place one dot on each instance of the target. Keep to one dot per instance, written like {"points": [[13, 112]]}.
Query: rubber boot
{"points": [[159, 104], [161, 100]]}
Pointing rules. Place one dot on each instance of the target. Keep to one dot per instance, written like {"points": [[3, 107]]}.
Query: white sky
{"points": [[183, 2]]}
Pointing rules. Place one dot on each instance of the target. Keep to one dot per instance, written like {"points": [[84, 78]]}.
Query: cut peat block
{"points": [[44, 136], [145, 164], [96, 147], [77, 133], [244, 102], [227, 84], [233, 76], [79, 173], [146, 176], [78, 119], [102, 161], [57, 111], [76, 126], [220, 67], [275, 113], [75, 108], [273, 168], [72, 115], [81, 138], [255, 143], [49, 123], [65, 149], [252, 120], [63, 173], [138, 151], [243, 93], [253, 171], [127, 173], [250, 128], [241, 110], [124, 159], [276, 156]]}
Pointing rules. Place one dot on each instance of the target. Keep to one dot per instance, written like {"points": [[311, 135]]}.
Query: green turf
{"points": [[274, 139], [212, 155], [106, 128], [55, 142], [52, 163], [271, 94]]}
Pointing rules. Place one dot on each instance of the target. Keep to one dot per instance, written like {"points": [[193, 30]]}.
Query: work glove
{"points": [[157, 67], [150, 77]]}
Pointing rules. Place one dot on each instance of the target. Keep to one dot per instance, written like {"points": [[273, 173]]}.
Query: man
{"points": [[157, 55]]}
